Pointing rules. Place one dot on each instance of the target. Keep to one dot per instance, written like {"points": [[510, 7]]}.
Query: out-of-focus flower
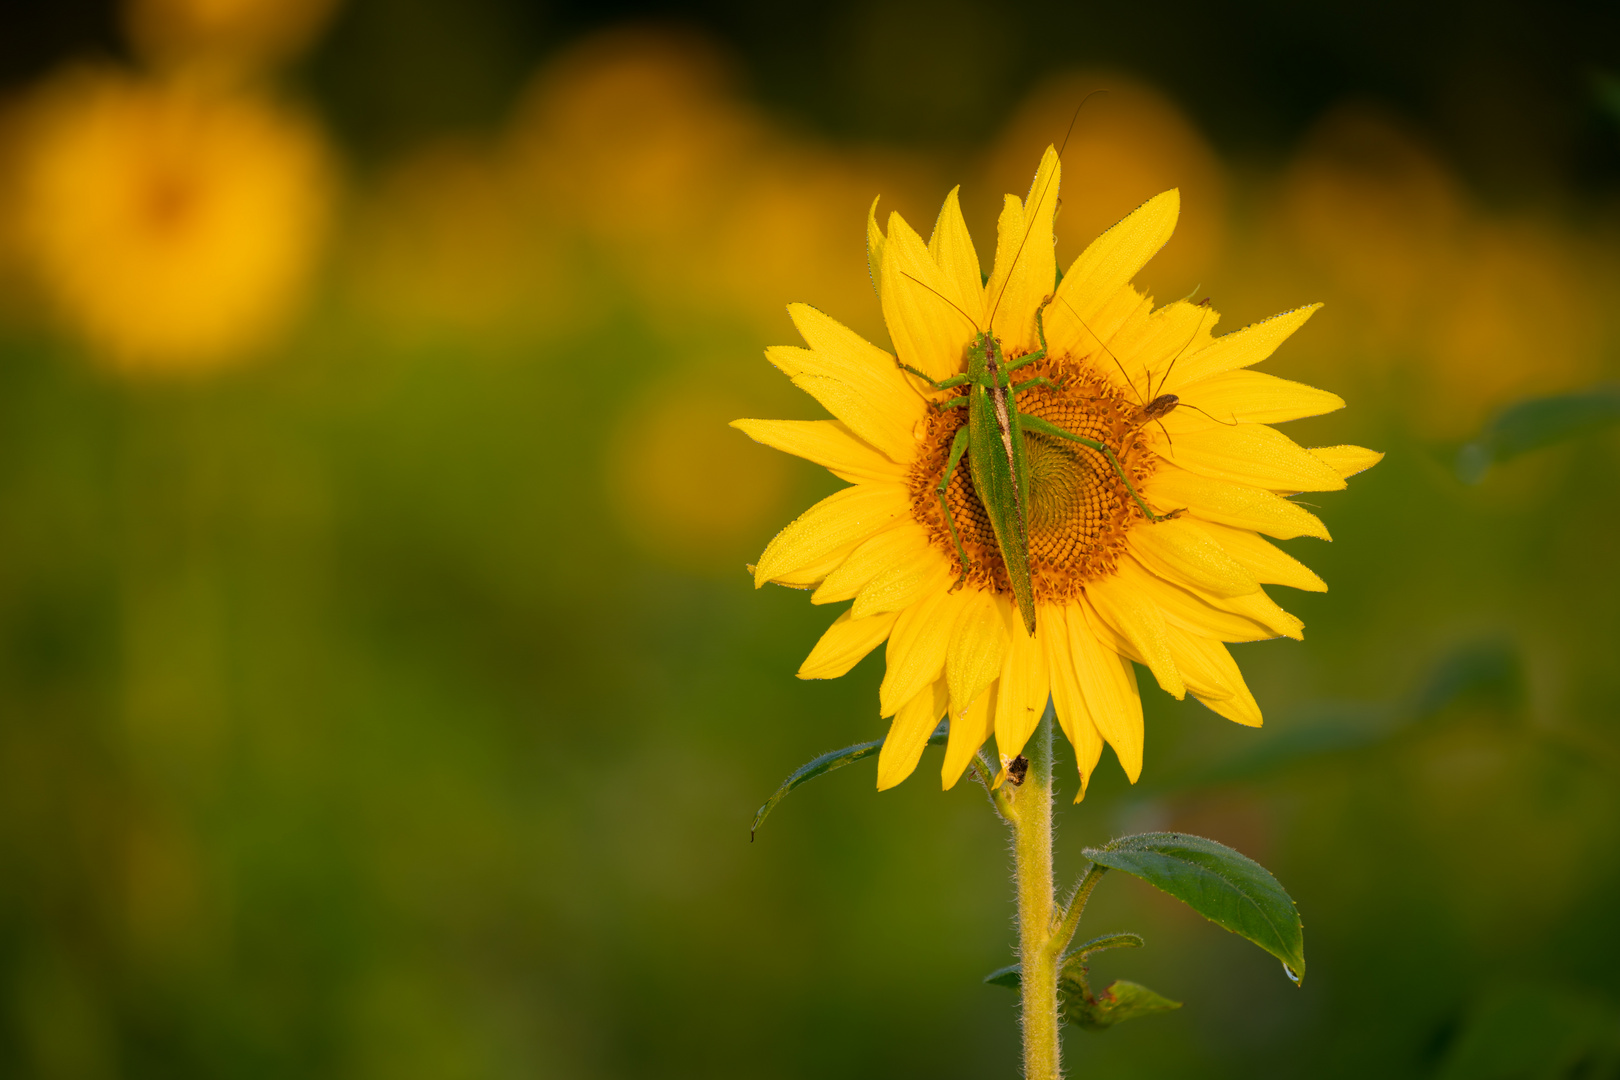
{"points": [[1127, 145], [1517, 319], [229, 36], [1370, 210], [1105, 584], [637, 142], [174, 230], [636, 135], [1466, 311]]}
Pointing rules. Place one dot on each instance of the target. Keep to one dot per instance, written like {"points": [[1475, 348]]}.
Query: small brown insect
{"points": [[1153, 410], [1016, 768]]}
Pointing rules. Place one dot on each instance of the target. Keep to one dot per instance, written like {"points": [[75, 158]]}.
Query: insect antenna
{"points": [[1140, 400], [1187, 345], [1034, 208], [945, 298]]}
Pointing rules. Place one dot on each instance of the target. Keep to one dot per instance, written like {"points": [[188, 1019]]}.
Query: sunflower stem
{"points": [[1032, 824]]}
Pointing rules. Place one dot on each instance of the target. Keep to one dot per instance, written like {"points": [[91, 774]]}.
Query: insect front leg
{"points": [[959, 447], [1042, 380], [937, 384], [1046, 427], [1040, 331]]}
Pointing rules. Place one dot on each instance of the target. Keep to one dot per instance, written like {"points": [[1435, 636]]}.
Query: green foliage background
{"points": [[346, 730]]}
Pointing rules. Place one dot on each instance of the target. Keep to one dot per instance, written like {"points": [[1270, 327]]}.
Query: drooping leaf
{"points": [[830, 761], [1226, 887], [1539, 422], [1122, 1001]]}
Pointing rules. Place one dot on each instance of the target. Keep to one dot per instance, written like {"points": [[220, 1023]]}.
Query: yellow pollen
{"points": [[1079, 509]]}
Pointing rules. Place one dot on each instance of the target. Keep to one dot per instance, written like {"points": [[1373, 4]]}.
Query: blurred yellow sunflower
{"points": [[1111, 586], [173, 229]]}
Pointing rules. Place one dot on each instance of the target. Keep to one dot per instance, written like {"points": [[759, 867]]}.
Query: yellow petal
{"points": [[829, 443], [952, 249], [854, 380], [1240, 505], [1120, 319], [1253, 397], [968, 732], [1183, 553], [1025, 264], [1213, 677], [1249, 454], [812, 573], [1108, 683], [1264, 610], [1149, 343], [926, 320], [916, 653], [1269, 565], [908, 735], [1255, 609], [1195, 612], [899, 545], [1347, 460], [1024, 688], [904, 583], [845, 644], [1239, 349], [874, 249], [978, 644], [844, 517], [1130, 612], [1067, 700], [1112, 260]]}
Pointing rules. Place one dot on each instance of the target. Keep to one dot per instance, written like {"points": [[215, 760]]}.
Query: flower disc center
{"points": [[1079, 509]]}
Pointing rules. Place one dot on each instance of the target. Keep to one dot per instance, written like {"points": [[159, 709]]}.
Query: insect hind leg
{"points": [[1046, 427]]}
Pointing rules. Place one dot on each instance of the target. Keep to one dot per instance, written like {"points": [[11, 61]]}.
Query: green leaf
{"points": [[1539, 422], [826, 763], [1122, 1001], [1227, 888], [1011, 976], [1079, 1006], [1107, 941]]}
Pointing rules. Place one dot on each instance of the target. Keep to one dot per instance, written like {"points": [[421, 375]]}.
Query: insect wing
{"points": [[996, 460]]}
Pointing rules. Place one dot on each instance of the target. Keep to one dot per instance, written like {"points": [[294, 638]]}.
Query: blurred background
{"points": [[381, 691]]}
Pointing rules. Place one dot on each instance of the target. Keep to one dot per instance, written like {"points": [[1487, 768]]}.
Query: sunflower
{"points": [[1112, 586], [174, 229]]}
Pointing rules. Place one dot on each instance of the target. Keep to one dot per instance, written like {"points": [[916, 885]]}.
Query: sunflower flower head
{"points": [[174, 230], [1160, 561]]}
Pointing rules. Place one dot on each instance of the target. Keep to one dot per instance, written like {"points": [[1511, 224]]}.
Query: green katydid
{"points": [[993, 440]]}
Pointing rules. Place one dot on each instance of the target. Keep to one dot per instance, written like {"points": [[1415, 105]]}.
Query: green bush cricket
{"points": [[993, 437], [993, 440]]}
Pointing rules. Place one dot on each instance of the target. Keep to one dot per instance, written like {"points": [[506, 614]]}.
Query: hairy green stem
{"points": [[1032, 824]]}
